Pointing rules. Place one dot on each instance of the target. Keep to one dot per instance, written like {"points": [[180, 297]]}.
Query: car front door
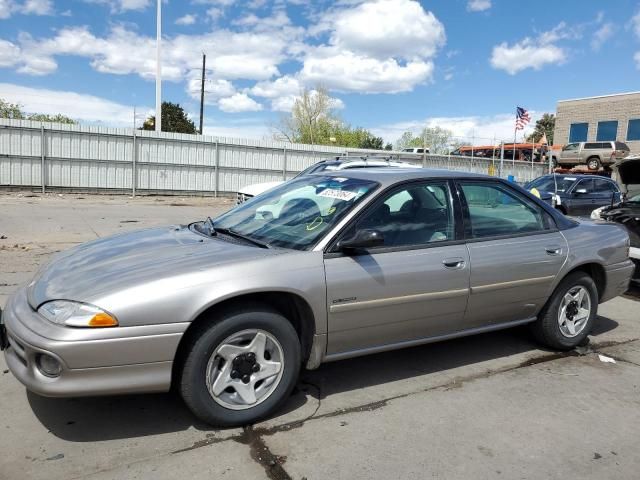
{"points": [[581, 198], [515, 252], [414, 285], [570, 154]]}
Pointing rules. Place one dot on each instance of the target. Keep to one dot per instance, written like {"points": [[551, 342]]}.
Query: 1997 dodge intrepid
{"points": [[322, 268]]}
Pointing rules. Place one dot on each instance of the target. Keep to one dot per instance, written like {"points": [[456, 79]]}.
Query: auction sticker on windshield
{"points": [[338, 194]]}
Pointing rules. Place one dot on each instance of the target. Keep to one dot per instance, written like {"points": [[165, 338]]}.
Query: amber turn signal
{"points": [[103, 320]]}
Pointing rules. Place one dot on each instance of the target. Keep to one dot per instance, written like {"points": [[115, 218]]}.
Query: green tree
{"points": [[57, 118], [388, 146], [437, 139], [174, 119], [14, 110], [10, 110], [546, 124]]}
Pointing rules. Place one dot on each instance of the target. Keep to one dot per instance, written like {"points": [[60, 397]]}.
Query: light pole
{"points": [[158, 68]]}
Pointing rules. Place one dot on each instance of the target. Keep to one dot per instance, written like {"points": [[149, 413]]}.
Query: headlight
{"points": [[595, 215], [75, 314]]}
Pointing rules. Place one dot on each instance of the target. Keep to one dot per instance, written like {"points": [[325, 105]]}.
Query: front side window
{"points": [[416, 214], [570, 147], [607, 131], [578, 132], [585, 186], [552, 183], [496, 210], [298, 213]]}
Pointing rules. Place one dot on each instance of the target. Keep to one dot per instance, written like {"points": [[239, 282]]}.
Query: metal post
{"points": [[43, 146], [284, 165], [217, 168], [134, 166], [158, 67]]}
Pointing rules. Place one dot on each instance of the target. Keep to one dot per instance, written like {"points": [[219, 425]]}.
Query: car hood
{"points": [[258, 188], [108, 265], [629, 170]]}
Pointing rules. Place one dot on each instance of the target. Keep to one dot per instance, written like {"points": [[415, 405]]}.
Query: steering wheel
{"points": [[298, 211]]}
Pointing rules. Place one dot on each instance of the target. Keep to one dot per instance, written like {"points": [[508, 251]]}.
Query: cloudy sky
{"points": [[391, 65]]}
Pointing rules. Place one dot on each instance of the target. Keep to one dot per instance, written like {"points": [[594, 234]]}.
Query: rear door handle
{"points": [[453, 263], [553, 250]]}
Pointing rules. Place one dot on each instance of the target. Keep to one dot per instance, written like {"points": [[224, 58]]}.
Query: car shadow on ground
{"points": [[107, 418]]}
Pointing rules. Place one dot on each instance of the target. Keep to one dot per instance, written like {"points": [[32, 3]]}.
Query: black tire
{"points": [[546, 328], [202, 344], [593, 163]]}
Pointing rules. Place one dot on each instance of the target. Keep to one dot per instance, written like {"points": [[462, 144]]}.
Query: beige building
{"points": [[599, 119]]}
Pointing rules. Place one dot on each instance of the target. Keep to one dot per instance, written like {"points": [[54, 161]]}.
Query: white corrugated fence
{"points": [[123, 160]]}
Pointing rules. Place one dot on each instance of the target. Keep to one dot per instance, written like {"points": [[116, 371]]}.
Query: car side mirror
{"points": [[362, 239], [581, 191]]}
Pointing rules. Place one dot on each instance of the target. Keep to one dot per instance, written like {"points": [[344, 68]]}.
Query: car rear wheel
{"points": [[240, 368], [568, 317], [593, 163]]}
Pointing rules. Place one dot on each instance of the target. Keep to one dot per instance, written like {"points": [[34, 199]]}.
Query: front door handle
{"points": [[453, 263], [553, 250]]}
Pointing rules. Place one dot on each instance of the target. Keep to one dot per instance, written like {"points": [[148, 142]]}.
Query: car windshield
{"points": [[298, 213], [547, 184]]}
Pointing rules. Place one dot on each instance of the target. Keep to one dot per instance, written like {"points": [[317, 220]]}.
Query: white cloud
{"points": [[481, 130], [186, 20], [214, 13], [78, 106], [214, 88], [38, 7], [255, 130], [347, 71], [602, 35], [478, 5], [239, 102], [533, 53], [120, 6], [28, 7], [232, 55], [9, 54], [381, 46]]}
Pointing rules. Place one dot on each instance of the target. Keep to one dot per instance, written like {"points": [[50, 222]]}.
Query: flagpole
{"points": [[515, 132]]}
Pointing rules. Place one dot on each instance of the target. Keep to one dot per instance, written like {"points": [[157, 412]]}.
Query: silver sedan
{"points": [[325, 267]]}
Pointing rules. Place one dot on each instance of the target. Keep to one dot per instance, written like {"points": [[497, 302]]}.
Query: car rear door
{"points": [[605, 193], [414, 286], [582, 197], [515, 252]]}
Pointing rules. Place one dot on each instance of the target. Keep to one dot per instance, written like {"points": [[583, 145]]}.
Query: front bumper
{"points": [[618, 277], [124, 360]]}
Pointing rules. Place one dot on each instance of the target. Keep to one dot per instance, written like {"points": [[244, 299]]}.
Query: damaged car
{"points": [[325, 267], [627, 212]]}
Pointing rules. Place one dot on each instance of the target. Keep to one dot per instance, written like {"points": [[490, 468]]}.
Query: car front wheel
{"points": [[240, 368], [568, 317]]}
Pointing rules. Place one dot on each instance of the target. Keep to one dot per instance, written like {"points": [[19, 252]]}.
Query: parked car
{"points": [[415, 150], [627, 212], [592, 154], [228, 310], [576, 194], [334, 164]]}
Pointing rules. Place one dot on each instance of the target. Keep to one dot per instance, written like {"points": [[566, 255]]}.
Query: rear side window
{"points": [[622, 146], [591, 146], [496, 210], [604, 186]]}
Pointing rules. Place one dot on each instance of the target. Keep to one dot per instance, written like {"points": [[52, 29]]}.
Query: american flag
{"points": [[522, 118]]}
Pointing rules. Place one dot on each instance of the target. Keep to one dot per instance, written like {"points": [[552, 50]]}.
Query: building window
{"points": [[607, 131], [578, 132], [633, 130]]}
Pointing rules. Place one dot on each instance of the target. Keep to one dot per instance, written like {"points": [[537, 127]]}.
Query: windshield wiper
{"points": [[233, 233]]}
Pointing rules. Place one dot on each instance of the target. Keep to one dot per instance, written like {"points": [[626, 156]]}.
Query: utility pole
{"points": [[158, 69], [204, 63]]}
